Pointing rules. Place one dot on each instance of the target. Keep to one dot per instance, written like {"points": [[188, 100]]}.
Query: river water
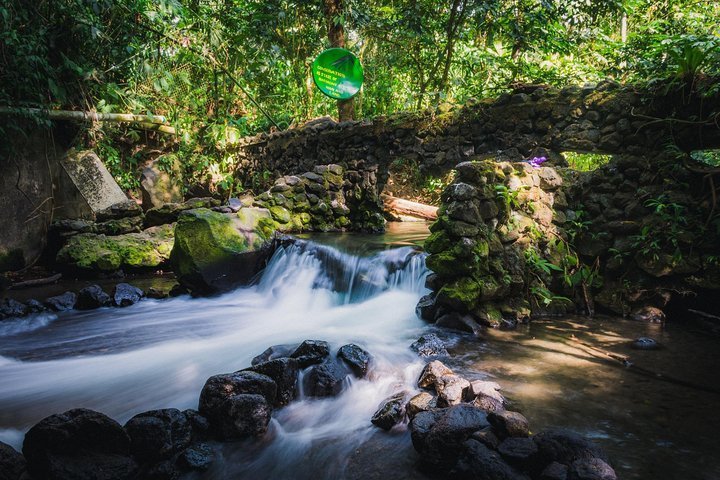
{"points": [[657, 418]]}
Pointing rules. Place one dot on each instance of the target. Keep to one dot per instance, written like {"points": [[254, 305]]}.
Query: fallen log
{"points": [[398, 207], [36, 282]]}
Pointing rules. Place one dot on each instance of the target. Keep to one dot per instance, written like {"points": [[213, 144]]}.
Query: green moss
{"points": [[280, 214], [447, 265], [464, 291], [437, 242]]}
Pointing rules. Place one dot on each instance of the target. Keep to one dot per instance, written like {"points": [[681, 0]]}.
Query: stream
{"points": [[363, 289]]}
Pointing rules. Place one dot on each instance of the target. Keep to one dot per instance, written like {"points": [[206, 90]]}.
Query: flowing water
{"points": [[363, 289]]}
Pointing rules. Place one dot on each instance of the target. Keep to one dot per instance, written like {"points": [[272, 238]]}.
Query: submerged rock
{"points": [[12, 308], [197, 457], [215, 252], [391, 412], [429, 345], [645, 343], [324, 380], [355, 358], [79, 444], [591, 469], [311, 352], [60, 303], [92, 297], [158, 434], [125, 295]]}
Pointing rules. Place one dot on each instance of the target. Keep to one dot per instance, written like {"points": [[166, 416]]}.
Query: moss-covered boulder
{"points": [[215, 252], [133, 251]]}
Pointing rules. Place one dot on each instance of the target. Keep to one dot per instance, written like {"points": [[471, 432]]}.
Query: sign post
{"points": [[338, 73]]}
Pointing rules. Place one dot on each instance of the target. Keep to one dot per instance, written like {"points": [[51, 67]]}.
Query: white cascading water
{"points": [[158, 354]]}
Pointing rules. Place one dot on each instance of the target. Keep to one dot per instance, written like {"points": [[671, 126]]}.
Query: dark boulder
{"points": [[487, 437], [284, 372], [238, 405], [311, 352], [92, 297], [125, 295], [438, 435], [591, 468], [509, 424], [391, 412], [324, 380], [478, 462], [156, 293], [12, 463], [426, 308], [35, 306], [429, 345], [521, 452], [12, 308], [197, 457], [563, 446], [271, 353], [199, 424], [79, 444], [158, 434], [60, 303], [355, 358], [164, 470]]}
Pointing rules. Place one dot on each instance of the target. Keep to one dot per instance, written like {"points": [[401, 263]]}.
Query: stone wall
{"points": [[533, 121], [513, 240]]}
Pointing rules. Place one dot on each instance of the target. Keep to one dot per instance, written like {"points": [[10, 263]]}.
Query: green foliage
{"points": [[586, 161]]}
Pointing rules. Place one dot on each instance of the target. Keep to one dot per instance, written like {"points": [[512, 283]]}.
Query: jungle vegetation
{"points": [[212, 66]]}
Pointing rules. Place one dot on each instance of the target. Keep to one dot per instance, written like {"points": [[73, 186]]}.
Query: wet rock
{"points": [[158, 434], [199, 424], [284, 372], [324, 380], [238, 405], [429, 345], [458, 321], [422, 402], [216, 252], [431, 373], [164, 470], [79, 444], [311, 352], [555, 471], [591, 469], [645, 343], [92, 297], [355, 358], [178, 290], [488, 403], [451, 390], [197, 457], [125, 295], [426, 308], [391, 412], [12, 463], [509, 424], [12, 308], [156, 293], [60, 303], [487, 437], [271, 353], [648, 314], [564, 446], [439, 434], [519, 451], [477, 462], [35, 306]]}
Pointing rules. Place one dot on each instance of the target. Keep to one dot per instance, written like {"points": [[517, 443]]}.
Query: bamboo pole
{"points": [[149, 122]]}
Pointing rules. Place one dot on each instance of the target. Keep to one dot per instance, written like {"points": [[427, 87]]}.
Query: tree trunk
{"points": [[336, 35], [399, 206]]}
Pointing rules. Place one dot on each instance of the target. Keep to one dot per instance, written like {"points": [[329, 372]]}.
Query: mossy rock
{"points": [[215, 252], [145, 250], [461, 294], [437, 242], [447, 265], [280, 214]]}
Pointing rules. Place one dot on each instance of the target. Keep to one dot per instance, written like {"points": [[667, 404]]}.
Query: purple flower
{"points": [[537, 161]]}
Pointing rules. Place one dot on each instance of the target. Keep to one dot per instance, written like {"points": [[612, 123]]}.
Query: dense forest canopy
{"points": [[211, 65]]}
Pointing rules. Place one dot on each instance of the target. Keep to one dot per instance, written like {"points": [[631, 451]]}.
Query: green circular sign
{"points": [[337, 73]]}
